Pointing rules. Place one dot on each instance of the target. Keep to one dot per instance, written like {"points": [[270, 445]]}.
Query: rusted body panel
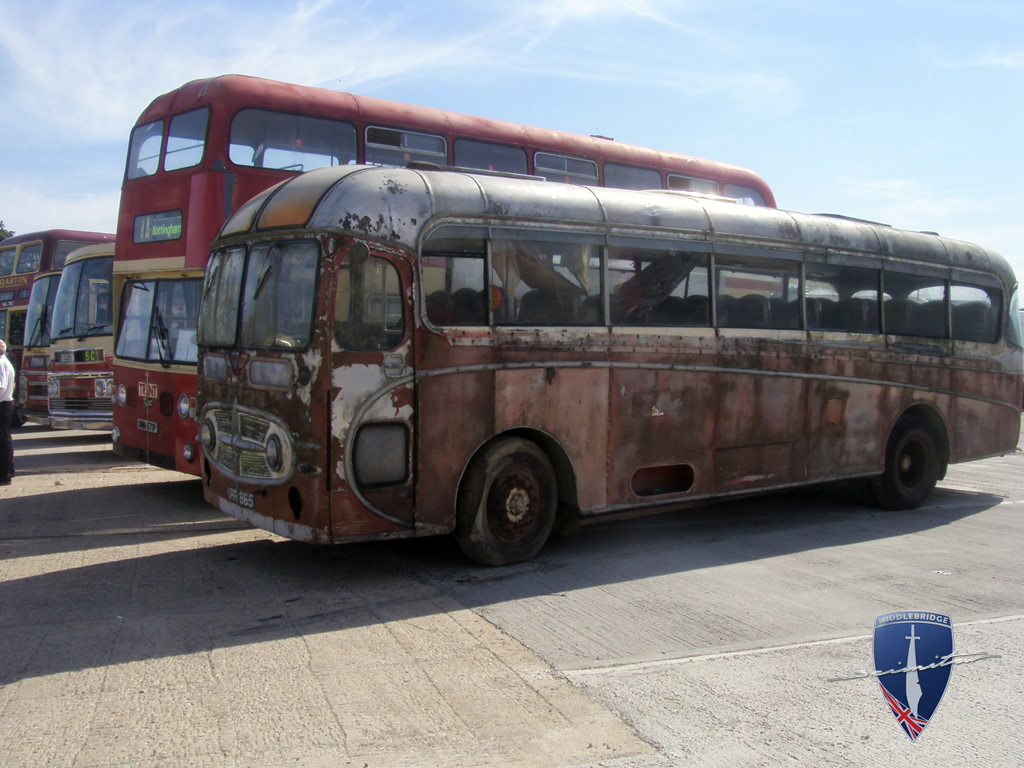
{"points": [[632, 419]]}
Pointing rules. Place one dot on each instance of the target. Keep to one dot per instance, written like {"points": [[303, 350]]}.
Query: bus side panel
{"points": [[660, 419], [569, 404], [761, 432], [845, 435], [982, 429], [456, 416]]}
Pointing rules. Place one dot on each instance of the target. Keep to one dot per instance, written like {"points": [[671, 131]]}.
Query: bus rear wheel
{"points": [[912, 466], [507, 503]]}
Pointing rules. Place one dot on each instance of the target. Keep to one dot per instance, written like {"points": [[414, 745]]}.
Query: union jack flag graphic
{"points": [[912, 725]]}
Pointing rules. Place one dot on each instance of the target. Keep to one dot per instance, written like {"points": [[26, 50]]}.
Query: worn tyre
{"points": [[912, 466], [507, 503]]}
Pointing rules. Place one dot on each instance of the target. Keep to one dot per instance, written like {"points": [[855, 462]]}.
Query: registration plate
{"points": [[241, 498], [148, 426], [147, 390]]}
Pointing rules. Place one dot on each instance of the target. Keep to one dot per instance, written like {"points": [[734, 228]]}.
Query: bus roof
{"points": [[55, 235], [403, 205], [234, 92], [90, 252]]}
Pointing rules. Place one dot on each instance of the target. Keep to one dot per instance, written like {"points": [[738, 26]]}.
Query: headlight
{"points": [[274, 454], [53, 387], [115, 435], [208, 434], [99, 387], [122, 394], [183, 405], [188, 452]]}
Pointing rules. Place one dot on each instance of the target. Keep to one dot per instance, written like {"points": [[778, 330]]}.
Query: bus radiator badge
{"points": [[914, 648]]}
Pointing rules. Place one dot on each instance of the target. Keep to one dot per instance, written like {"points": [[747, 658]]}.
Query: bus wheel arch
{"points": [[916, 454], [507, 500]]}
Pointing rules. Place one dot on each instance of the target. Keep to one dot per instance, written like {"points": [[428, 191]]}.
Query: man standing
{"points": [[6, 413]]}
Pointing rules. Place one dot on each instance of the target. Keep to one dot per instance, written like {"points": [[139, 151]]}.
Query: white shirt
{"points": [[6, 379]]}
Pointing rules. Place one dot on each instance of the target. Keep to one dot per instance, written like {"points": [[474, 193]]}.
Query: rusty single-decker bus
{"points": [[200, 151], [393, 352]]}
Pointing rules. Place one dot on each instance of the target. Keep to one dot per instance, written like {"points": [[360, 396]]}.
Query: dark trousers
{"points": [[6, 446]]}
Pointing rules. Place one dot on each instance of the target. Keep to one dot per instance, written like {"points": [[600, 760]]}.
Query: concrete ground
{"points": [[143, 628]]}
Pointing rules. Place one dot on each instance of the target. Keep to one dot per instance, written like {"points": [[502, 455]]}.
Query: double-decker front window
{"points": [[40, 311], [159, 321], [82, 305], [261, 299]]}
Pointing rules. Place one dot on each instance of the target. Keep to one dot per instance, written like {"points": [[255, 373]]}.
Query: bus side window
{"points": [[843, 299], [976, 311], [490, 157], [369, 306], [758, 295], [917, 306], [546, 283], [453, 284], [658, 288]]}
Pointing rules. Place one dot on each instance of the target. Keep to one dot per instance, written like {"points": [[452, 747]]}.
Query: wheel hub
{"points": [[513, 503]]}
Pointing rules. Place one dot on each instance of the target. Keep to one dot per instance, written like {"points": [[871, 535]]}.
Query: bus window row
{"points": [[536, 283], [262, 138]]}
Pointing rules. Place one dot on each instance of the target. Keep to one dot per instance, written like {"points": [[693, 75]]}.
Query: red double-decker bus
{"points": [[30, 266], [197, 153]]}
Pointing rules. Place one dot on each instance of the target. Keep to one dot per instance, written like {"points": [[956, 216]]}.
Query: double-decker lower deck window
{"points": [[158, 321]]}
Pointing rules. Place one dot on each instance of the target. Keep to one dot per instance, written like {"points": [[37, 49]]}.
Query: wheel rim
{"points": [[513, 503], [912, 463]]}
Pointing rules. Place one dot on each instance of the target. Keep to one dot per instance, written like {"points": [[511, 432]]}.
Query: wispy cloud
{"points": [[991, 56]]}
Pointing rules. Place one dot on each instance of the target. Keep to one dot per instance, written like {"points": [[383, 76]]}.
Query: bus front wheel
{"points": [[507, 503], [912, 466]]}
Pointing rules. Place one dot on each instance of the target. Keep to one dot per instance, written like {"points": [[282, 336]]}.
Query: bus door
{"points": [[372, 410]]}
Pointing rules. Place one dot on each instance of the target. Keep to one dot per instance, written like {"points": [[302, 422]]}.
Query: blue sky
{"points": [[907, 112]]}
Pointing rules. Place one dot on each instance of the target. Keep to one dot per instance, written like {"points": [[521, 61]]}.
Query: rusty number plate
{"points": [[148, 390]]}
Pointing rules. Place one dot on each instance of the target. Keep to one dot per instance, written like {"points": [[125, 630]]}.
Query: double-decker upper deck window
{"points": [[7, 261], [264, 139], [570, 170], [144, 149], [629, 177], [692, 184], [392, 146], [28, 260], [743, 195], [659, 288], [490, 157], [186, 139]]}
